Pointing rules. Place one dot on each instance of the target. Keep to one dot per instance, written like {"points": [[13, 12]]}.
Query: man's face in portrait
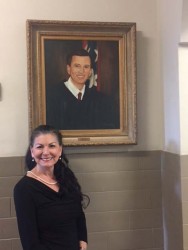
{"points": [[79, 70]]}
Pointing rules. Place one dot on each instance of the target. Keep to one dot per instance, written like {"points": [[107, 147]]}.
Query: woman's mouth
{"points": [[47, 159]]}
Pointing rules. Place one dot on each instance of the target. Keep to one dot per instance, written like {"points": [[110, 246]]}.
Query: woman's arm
{"points": [[26, 218], [82, 230]]}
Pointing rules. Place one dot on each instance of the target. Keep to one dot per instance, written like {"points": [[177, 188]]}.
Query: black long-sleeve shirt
{"points": [[46, 219]]}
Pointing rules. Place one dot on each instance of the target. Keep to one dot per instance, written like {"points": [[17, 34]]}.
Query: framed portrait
{"points": [[94, 59]]}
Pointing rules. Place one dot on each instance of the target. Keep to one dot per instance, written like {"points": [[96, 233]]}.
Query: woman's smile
{"points": [[46, 159]]}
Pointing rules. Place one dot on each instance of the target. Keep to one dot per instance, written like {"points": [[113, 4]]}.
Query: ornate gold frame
{"points": [[125, 33]]}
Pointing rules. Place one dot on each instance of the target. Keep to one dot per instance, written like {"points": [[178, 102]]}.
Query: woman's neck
{"points": [[44, 172]]}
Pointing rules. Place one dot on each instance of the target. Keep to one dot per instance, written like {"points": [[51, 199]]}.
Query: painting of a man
{"points": [[76, 105]]}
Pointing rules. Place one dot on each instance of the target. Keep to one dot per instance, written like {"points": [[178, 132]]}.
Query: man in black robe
{"points": [[73, 105]]}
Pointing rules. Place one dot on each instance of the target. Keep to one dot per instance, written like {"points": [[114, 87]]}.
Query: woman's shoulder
{"points": [[22, 184]]}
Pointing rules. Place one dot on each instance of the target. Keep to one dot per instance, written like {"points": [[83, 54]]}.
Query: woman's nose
{"points": [[45, 150]]}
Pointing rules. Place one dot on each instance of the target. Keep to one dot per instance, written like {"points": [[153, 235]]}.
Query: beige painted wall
{"points": [[173, 29], [13, 63]]}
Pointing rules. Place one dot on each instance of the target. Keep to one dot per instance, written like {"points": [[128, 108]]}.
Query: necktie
{"points": [[80, 96]]}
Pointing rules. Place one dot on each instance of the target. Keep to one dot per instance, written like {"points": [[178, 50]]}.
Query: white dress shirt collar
{"points": [[73, 89]]}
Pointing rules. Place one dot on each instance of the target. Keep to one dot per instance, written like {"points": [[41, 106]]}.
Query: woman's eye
{"points": [[52, 146]]}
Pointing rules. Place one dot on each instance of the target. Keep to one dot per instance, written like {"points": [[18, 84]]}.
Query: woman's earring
{"points": [[33, 159], [59, 157]]}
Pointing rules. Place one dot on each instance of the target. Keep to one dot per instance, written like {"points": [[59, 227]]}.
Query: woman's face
{"points": [[46, 150]]}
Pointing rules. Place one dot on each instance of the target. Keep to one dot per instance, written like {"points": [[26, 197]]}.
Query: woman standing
{"points": [[48, 199]]}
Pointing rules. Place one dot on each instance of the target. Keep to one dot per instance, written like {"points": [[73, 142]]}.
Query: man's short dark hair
{"points": [[78, 52]]}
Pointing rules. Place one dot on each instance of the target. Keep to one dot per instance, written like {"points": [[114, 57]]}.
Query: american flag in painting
{"points": [[91, 47]]}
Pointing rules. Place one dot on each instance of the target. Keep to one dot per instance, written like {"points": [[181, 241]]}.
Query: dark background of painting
{"points": [[108, 66]]}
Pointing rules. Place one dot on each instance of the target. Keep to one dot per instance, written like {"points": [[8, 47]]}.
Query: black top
{"points": [[65, 112], [46, 219]]}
